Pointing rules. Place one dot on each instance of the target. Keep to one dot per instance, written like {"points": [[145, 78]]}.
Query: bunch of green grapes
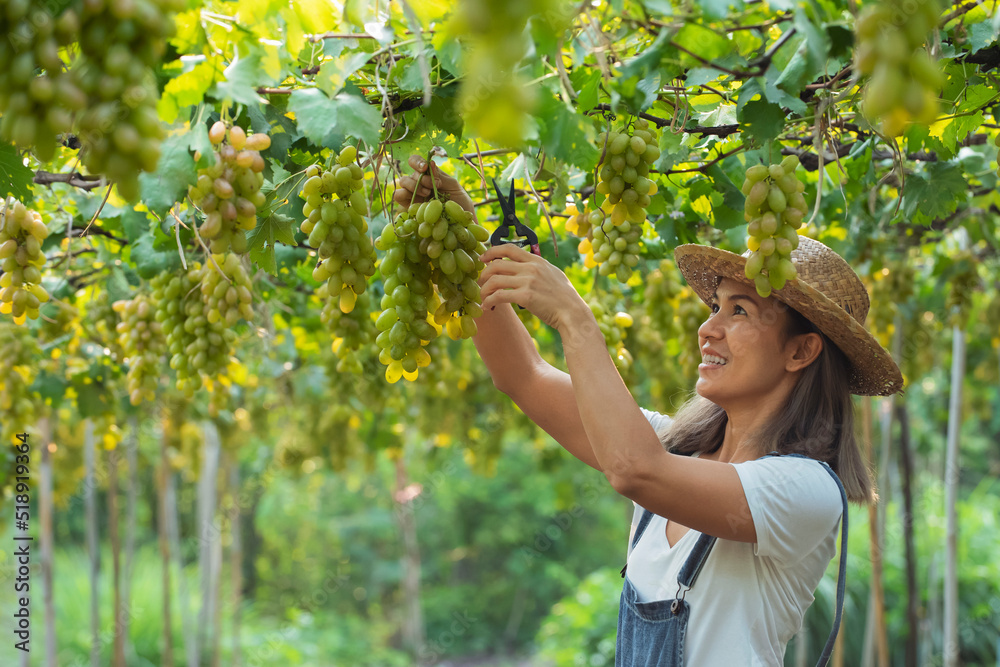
{"points": [[199, 348], [963, 284], [335, 211], [141, 339], [622, 179], [622, 176], [691, 314], [495, 97], [228, 190], [616, 248], [905, 80], [613, 324], [996, 142], [583, 225], [21, 234], [227, 295], [20, 353], [452, 240], [120, 43], [774, 208], [409, 294], [663, 287], [36, 108], [352, 331], [580, 223], [101, 321]]}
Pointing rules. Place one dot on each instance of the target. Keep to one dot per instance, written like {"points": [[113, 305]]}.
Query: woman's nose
{"points": [[710, 328]]}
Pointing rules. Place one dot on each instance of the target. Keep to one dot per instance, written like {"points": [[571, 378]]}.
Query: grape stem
{"points": [[545, 210], [430, 171], [177, 235], [204, 247]]}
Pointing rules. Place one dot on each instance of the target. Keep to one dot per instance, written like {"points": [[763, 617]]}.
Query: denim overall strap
{"points": [[692, 566], [842, 573], [644, 520], [652, 634]]}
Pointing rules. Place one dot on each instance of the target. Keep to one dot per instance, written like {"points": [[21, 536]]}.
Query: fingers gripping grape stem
{"points": [[545, 211]]}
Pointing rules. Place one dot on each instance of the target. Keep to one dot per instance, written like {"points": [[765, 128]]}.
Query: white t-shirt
{"points": [[749, 599]]}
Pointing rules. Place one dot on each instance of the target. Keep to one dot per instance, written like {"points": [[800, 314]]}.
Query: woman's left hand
{"points": [[514, 275]]}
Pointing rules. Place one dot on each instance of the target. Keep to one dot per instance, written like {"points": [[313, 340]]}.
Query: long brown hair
{"points": [[817, 420]]}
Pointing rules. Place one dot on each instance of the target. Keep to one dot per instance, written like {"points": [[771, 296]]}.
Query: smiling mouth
{"points": [[711, 360]]}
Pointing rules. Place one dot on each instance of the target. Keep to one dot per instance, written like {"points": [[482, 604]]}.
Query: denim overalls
{"points": [[651, 634]]}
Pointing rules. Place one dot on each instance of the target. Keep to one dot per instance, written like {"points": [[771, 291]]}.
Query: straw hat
{"points": [[827, 292]]}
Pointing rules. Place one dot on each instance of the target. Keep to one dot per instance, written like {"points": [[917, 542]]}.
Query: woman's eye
{"points": [[714, 308], [738, 310]]}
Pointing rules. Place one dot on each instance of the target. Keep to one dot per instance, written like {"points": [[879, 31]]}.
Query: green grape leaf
{"points": [[186, 89], [762, 120], [671, 150], [981, 35], [934, 193], [780, 96], [148, 261], [799, 71], [730, 214], [15, 178], [326, 121], [707, 43], [134, 224], [174, 173], [274, 227], [959, 129], [442, 112], [841, 40], [335, 73], [243, 77], [587, 83], [719, 8], [566, 134], [50, 387]]}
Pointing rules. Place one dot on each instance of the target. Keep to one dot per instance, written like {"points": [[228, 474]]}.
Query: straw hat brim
{"points": [[873, 372]]}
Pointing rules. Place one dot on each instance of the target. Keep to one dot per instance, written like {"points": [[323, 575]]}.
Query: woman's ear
{"points": [[804, 349]]}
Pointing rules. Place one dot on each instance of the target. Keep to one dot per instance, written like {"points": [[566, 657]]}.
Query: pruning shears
{"points": [[502, 234]]}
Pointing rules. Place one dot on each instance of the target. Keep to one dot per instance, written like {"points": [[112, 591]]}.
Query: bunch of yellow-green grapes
{"points": [[691, 314], [774, 208], [227, 295], [228, 190], [495, 97], [905, 80], [352, 331], [199, 347], [120, 43], [659, 297], [20, 352], [335, 211], [409, 295], [36, 107], [141, 339], [583, 225], [452, 240], [21, 234], [623, 180], [613, 324]]}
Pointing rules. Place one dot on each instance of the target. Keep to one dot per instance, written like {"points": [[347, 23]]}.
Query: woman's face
{"points": [[744, 349]]}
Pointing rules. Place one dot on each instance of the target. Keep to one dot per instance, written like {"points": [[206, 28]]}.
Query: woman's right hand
{"points": [[411, 190]]}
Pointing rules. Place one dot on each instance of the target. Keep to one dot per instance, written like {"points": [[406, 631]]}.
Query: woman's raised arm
{"points": [[542, 392]]}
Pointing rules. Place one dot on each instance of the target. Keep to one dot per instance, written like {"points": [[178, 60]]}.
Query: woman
{"points": [[776, 377]]}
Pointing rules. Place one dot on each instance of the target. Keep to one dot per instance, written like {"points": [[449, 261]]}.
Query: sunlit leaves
{"points": [[15, 178]]}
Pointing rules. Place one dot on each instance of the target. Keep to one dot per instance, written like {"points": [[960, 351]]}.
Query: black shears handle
{"points": [[502, 233]]}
